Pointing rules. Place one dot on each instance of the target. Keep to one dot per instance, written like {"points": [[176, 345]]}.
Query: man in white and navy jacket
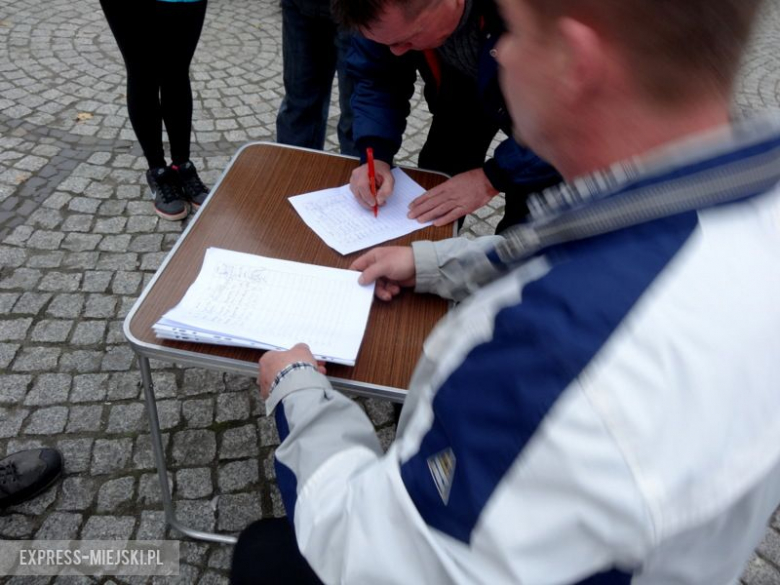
{"points": [[603, 405]]}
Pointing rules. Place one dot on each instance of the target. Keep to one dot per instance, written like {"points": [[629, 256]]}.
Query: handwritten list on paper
{"points": [[344, 225], [253, 301]]}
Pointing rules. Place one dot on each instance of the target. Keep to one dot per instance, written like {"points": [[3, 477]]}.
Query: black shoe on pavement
{"points": [[26, 474], [194, 190], [166, 189]]}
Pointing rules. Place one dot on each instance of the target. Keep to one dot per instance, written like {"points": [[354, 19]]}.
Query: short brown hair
{"points": [[677, 48], [361, 14]]}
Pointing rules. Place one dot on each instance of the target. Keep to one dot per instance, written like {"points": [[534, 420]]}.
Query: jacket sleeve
{"points": [[339, 490], [456, 267], [383, 88]]}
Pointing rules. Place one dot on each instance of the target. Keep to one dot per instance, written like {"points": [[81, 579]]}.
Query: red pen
{"points": [[372, 177]]}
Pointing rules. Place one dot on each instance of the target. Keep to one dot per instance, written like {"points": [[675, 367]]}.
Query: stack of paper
{"points": [[346, 226], [252, 301]]}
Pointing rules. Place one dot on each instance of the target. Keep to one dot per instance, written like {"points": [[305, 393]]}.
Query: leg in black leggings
{"points": [[184, 20], [157, 41]]}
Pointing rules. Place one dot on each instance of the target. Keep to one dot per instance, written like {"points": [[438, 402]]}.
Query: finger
{"points": [[322, 370], [440, 210], [373, 272], [301, 346], [426, 205], [453, 215], [382, 293], [364, 261], [385, 184], [364, 197]]}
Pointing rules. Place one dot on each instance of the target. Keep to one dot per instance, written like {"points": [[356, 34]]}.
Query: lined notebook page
{"points": [[254, 301], [344, 225]]}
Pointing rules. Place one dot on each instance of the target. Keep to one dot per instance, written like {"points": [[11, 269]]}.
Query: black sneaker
{"points": [[26, 474], [194, 190], [169, 200]]}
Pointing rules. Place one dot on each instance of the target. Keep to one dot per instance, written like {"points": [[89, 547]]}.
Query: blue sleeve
{"points": [[514, 166], [383, 88]]}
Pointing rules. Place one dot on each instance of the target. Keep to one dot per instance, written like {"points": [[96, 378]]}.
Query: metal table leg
{"points": [[159, 458]]}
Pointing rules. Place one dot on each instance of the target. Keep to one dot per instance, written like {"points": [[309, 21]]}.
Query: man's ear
{"points": [[584, 55]]}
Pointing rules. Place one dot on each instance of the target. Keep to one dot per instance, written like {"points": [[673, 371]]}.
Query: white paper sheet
{"points": [[344, 225], [253, 301]]}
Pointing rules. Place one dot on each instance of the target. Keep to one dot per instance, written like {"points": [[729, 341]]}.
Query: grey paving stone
{"points": [[32, 359], [151, 525], [47, 421], [81, 361], [236, 511], [124, 418], [7, 300], [8, 352], [95, 282], [200, 514], [232, 406], [123, 386], [194, 483], [114, 493], [770, 545], [66, 306], [16, 526], [110, 455], [760, 572], [239, 443], [77, 493], [117, 358], [76, 454], [60, 526], [51, 331], [238, 475], [38, 505], [85, 419], [194, 447], [14, 387], [269, 437], [380, 412], [149, 488], [143, 457], [108, 528], [60, 282], [221, 558], [22, 279], [126, 283], [169, 413], [89, 387], [100, 306], [201, 382], [198, 413], [213, 578], [49, 389], [31, 303], [14, 329], [89, 333]]}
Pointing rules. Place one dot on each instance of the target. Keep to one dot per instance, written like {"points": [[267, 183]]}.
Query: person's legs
{"points": [[181, 24], [346, 84], [128, 21], [267, 553], [309, 61]]}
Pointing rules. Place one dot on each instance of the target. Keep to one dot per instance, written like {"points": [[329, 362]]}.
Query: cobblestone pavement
{"points": [[79, 240]]}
